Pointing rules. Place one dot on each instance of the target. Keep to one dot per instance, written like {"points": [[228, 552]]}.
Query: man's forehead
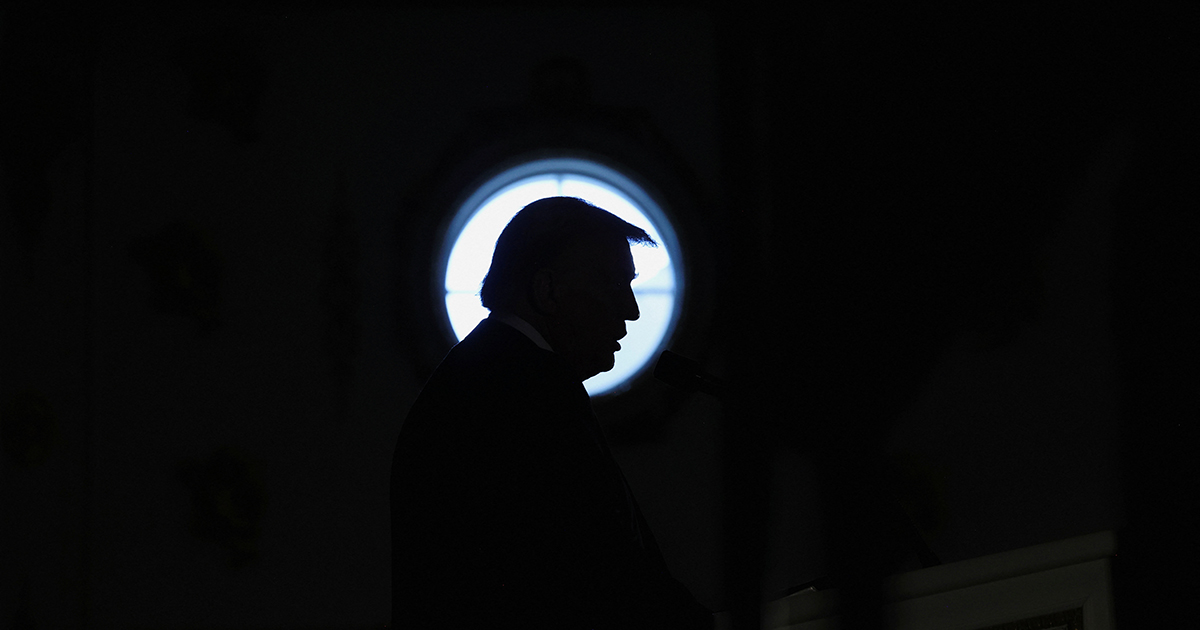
{"points": [[608, 254]]}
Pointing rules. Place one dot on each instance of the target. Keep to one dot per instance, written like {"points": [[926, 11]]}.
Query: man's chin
{"points": [[602, 364]]}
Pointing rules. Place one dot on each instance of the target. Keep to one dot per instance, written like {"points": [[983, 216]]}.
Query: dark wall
{"points": [[949, 210], [927, 239]]}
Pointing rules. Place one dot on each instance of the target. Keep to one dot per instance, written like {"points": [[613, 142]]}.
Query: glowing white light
{"points": [[655, 287]]}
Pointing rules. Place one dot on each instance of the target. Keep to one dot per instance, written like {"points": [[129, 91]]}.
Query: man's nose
{"points": [[631, 306]]}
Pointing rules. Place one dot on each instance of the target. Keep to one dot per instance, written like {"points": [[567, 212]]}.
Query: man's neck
{"points": [[523, 327]]}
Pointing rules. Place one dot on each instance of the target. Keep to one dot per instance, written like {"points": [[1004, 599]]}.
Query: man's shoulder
{"points": [[493, 347], [495, 380], [496, 362]]}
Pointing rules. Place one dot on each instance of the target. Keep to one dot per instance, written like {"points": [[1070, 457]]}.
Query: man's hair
{"points": [[535, 238]]}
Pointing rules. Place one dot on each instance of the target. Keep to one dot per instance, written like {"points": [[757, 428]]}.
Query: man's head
{"points": [[564, 266]]}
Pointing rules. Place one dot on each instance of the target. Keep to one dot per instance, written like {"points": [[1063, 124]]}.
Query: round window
{"points": [[467, 252]]}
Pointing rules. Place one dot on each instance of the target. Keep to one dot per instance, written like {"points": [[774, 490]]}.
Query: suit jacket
{"points": [[508, 509]]}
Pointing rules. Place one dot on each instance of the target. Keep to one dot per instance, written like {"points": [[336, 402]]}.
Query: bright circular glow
{"points": [[472, 238]]}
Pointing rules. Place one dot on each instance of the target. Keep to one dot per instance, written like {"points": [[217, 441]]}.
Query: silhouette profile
{"points": [[508, 509]]}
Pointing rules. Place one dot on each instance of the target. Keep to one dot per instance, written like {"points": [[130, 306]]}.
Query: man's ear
{"points": [[544, 300]]}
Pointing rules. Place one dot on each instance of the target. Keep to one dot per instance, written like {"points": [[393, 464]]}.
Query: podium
{"points": [[1064, 585]]}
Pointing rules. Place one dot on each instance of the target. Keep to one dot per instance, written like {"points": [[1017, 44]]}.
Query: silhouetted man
{"points": [[508, 509]]}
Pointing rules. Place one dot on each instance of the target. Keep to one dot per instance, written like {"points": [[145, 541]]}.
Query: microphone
{"points": [[683, 373]]}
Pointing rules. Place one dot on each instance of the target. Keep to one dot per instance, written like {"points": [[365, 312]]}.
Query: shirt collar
{"points": [[523, 326]]}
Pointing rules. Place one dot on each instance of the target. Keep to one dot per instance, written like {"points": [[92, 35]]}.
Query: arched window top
{"points": [[471, 238]]}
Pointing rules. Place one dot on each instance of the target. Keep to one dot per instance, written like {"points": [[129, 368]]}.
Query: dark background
{"points": [[944, 256]]}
